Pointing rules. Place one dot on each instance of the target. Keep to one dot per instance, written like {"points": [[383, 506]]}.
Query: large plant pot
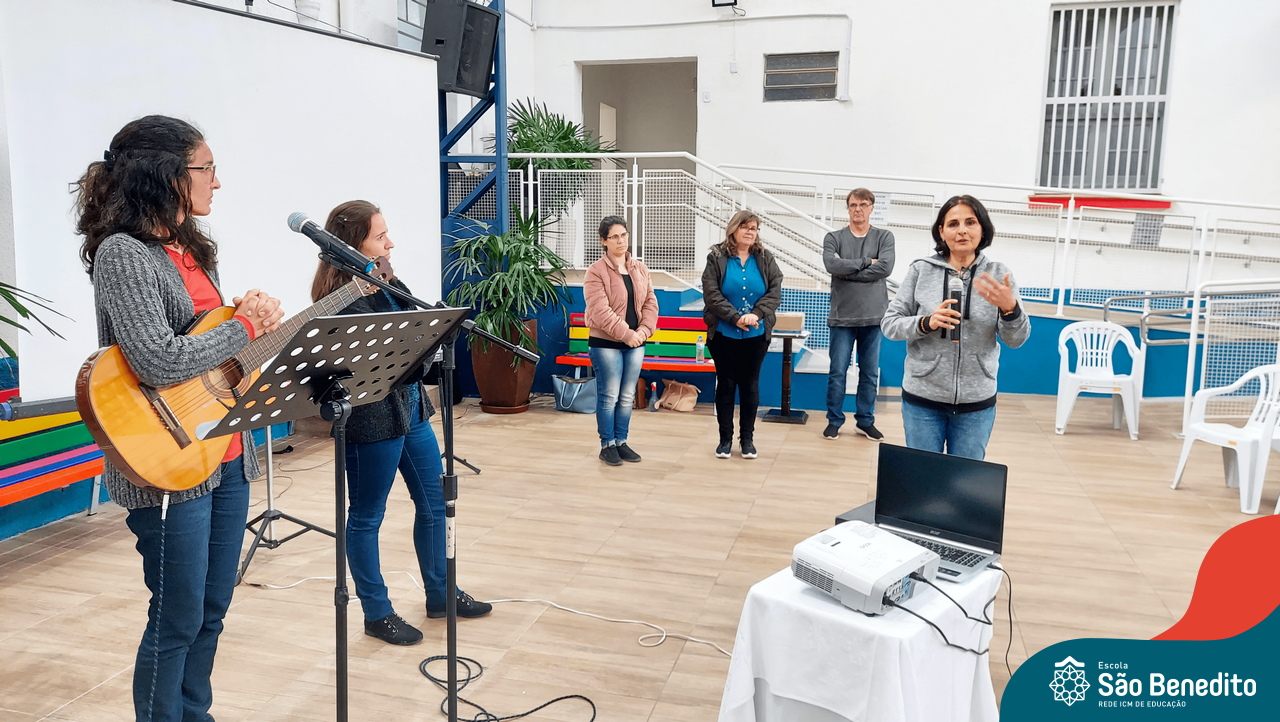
{"points": [[503, 389]]}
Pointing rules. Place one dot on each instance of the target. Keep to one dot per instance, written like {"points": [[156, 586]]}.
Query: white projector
{"points": [[862, 565]]}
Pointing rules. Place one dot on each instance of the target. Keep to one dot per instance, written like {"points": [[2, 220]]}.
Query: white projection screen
{"points": [[297, 121]]}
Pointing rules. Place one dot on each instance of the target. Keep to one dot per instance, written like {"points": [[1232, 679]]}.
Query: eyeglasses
{"points": [[617, 237], [861, 206], [213, 169]]}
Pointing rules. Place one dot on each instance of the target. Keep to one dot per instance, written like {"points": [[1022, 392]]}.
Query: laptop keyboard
{"points": [[960, 557]]}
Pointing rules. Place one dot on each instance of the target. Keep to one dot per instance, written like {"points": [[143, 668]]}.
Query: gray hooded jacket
{"points": [[941, 370]]}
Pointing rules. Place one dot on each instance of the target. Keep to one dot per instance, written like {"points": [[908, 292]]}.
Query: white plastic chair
{"points": [[1244, 449], [1095, 343]]}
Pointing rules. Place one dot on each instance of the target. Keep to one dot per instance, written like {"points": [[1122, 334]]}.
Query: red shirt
{"points": [[206, 298]]}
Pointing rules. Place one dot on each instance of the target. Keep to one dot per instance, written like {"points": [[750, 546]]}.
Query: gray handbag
{"points": [[576, 395]]}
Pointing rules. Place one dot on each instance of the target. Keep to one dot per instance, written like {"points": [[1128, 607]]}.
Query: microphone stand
{"points": [[449, 480]]}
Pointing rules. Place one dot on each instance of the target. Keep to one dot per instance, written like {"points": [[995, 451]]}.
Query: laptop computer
{"points": [[949, 504]]}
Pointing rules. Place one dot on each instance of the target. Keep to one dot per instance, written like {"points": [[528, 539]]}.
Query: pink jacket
{"points": [[606, 296]]}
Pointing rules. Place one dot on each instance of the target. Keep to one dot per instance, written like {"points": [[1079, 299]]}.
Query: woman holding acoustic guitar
{"points": [[153, 270], [390, 434]]}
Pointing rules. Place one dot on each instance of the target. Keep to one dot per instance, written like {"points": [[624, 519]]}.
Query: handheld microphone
{"points": [[329, 244], [955, 291]]}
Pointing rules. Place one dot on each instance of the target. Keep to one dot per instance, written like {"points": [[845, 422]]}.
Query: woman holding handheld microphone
{"points": [[952, 309]]}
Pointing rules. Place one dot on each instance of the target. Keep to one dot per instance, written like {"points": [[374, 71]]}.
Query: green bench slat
{"points": [[34, 446], [670, 350]]}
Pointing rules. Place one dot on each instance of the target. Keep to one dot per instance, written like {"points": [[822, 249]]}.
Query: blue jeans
{"points": [[617, 372], [843, 339], [189, 562], [962, 434], [371, 469]]}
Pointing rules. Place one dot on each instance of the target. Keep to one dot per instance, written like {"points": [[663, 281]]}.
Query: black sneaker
{"points": [[393, 630], [468, 607], [626, 454], [831, 432], [609, 455], [724, 450], [748, 449], [870, 431]]}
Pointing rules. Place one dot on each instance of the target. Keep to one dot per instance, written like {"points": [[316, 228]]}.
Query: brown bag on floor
{"points": [[642, 394], [678, 396]]}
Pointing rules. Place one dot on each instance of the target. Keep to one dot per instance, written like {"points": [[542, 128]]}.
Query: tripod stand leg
{"points": [[263, 522], [464, 462]]}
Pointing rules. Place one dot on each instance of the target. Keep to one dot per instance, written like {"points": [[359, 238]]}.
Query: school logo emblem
{"points": [[1069, 683]]}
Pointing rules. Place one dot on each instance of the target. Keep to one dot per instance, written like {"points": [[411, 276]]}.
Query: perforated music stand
{"points": [[332, 364]]}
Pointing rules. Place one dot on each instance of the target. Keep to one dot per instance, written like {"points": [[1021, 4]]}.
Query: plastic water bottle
{"points": [[701, 350], [653, 395]]}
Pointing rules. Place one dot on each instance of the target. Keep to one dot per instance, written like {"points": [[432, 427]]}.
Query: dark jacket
{"points": [[716, 306], [392, 416]]}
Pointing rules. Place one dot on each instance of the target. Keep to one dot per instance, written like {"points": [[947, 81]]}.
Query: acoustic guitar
{"points": [[149, 434]]}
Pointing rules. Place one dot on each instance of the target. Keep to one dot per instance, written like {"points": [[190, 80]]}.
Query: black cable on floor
{"points": [[474, 673]]}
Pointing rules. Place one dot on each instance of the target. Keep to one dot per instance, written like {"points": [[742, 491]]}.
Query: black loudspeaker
{"points": [[463, 35]]}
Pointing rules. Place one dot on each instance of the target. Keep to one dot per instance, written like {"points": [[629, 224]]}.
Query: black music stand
{"points": [[332, 364]]}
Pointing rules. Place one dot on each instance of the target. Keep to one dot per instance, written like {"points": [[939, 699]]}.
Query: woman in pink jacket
{"points": [[622, 313]]}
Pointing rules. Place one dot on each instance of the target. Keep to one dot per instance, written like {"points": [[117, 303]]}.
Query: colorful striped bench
{"points": [[44, 453], [672, 348]]}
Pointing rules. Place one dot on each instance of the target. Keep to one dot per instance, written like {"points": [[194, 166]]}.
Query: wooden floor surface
{"points": [[1096, 542]]}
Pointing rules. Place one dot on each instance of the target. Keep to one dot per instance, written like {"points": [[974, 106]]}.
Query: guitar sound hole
{"points": [[221, 380]]}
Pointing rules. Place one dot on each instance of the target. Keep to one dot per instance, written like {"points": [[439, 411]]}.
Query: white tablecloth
{"points": [[801, 656]]}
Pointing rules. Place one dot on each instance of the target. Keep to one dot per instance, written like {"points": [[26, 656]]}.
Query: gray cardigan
{"points": [[859, 291], [143, 306], [941, 370]]}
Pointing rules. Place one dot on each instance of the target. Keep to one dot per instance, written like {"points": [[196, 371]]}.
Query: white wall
{"points": [[936, 88], [7, 272], [296, 121]]}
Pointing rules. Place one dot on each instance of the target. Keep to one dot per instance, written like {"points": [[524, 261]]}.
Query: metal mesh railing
{"points": [[1240, 333], [1242, 249], [462, 182], [681, 216], [1121, 252], [571, 203]]}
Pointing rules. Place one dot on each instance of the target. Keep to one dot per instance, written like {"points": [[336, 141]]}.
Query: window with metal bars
{"points": [[1106, 97], [800, 76]]}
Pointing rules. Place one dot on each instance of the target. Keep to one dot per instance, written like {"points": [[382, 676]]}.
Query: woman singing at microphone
{"points": [[390, 434]]}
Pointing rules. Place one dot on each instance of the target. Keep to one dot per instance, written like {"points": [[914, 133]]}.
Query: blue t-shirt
{"points": [[743, 285]]}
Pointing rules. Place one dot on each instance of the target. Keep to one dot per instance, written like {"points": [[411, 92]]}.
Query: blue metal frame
{"points": [[497, 178]]}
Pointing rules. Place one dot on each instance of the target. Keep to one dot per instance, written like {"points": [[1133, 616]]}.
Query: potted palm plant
{"points": [[506, 278], [532, 128]]}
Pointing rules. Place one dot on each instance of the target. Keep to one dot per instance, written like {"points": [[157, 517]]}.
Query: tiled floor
{"points": [[1096, 542]]}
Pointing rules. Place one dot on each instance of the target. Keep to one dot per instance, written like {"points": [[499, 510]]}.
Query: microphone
{"points": [[955, 290], [329, 243]]}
